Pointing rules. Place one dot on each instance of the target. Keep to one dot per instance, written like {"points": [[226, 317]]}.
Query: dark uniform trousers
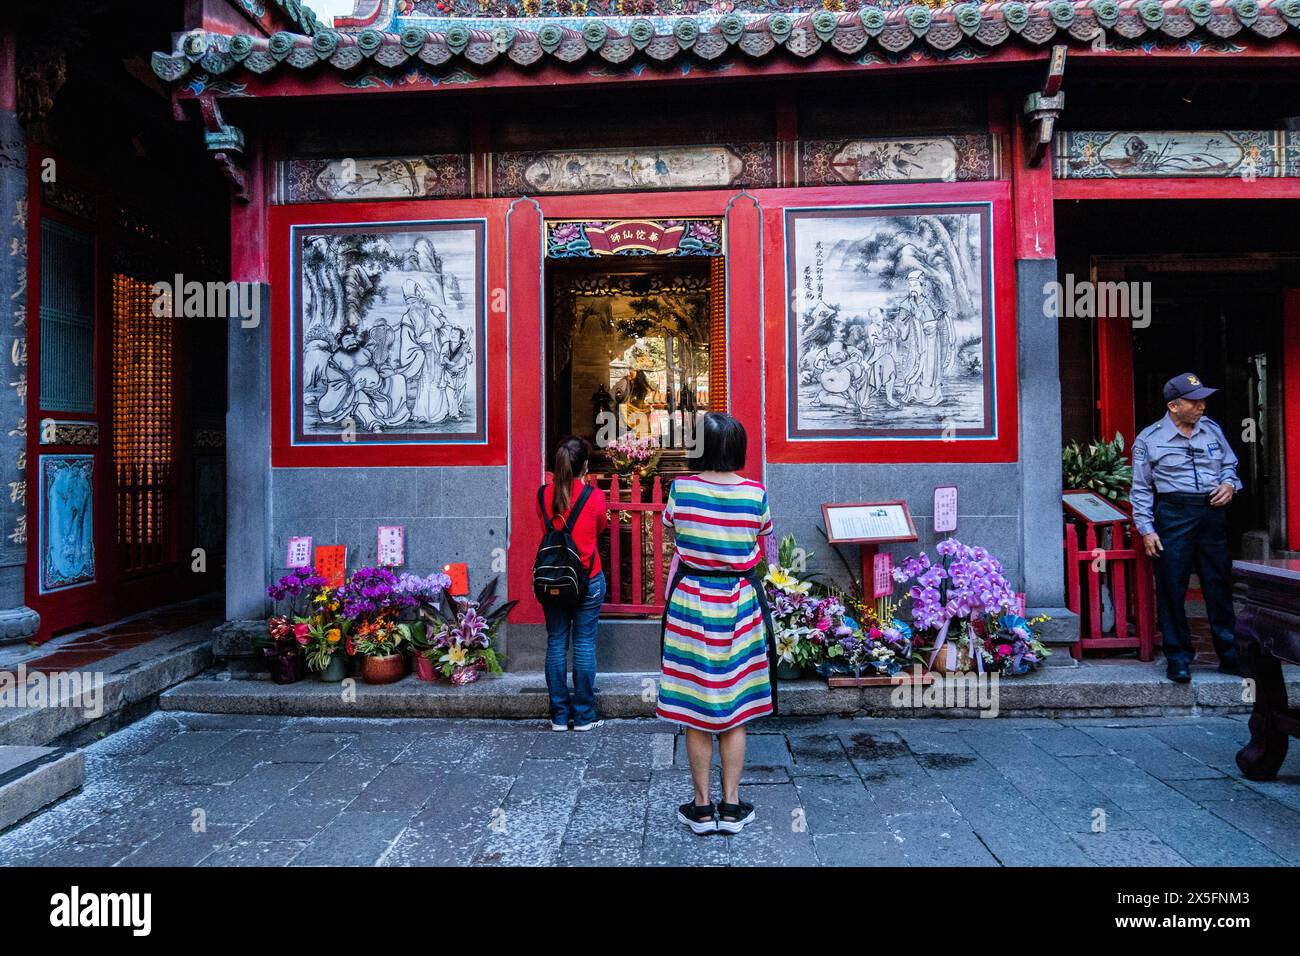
{"points": [[1194, 534]]}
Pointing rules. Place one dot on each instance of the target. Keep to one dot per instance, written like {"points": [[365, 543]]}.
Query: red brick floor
{"points": [[89, 647]]}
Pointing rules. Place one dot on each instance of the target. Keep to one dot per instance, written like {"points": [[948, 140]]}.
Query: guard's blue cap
{"points": [[1187, 386]]}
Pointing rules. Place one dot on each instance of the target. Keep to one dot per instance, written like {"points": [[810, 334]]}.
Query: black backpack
{"points": [[559, 576]]}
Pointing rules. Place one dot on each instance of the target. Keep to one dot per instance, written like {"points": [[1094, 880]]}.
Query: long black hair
{"points": [[570, 461], [724, 443]]}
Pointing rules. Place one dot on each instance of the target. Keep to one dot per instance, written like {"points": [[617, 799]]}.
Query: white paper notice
{"points": [[868, 522], [945, 509], [299, 555], [391, 546]]}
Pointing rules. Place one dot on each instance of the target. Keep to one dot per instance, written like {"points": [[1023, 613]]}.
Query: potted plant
{"points": [[371, 601], [284, 644], [1099, 467], [462, 635], [378, 644], [423, 594]]}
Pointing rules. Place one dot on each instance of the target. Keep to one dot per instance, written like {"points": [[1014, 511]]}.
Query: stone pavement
{"points": [[224, 790]]}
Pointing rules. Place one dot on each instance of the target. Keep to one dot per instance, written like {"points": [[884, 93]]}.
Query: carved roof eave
{"points": [[981, 25]]}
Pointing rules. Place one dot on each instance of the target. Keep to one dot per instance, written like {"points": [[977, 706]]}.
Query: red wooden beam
{"points": [[1171, 188]]}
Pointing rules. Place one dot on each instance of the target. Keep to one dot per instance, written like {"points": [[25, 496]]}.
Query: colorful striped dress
{"points": [[715, 668]]}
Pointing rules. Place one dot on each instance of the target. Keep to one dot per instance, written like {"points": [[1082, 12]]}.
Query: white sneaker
{"points": [[591, 726], [560, 728]]}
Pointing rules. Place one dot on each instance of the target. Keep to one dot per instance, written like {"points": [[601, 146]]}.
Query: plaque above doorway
{"points": [[592, 239]]}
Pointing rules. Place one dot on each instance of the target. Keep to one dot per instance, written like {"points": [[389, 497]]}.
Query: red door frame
{"points": [[112, 594], [1291, 412], [526, 320]]}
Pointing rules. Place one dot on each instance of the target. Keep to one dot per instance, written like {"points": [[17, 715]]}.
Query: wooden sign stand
{"points": [[870, 545]]}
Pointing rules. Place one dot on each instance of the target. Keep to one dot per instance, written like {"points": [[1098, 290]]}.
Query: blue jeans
{"points": [[580, 624], [1194, 535]]}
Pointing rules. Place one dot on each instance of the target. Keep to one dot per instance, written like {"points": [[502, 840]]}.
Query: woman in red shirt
{"points": [[579, 623]]}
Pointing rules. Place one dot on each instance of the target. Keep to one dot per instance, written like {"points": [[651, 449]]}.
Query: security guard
{"points": [[1184, 474]]}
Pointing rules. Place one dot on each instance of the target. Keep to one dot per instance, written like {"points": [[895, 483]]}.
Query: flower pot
{"points": [[287, 668], [465, 674], [786, 670], [383, 670], [425, 669], [335, 671]]}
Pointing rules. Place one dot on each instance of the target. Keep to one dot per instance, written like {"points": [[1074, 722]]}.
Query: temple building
{"points": [[909, 246]]}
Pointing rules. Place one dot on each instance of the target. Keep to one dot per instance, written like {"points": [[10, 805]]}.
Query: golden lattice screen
{"points": [[718, 334], [143, 410]]}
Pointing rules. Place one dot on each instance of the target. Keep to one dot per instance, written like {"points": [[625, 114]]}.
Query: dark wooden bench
{"points": [[1268, 634]]}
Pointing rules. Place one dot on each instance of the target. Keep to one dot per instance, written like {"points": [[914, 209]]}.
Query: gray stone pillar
{"points": [[248, 463], [17, 622], [1038, 355]]}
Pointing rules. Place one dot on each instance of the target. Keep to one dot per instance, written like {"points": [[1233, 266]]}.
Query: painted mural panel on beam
{"points": [[1208, 154], [389, 333], [636, 169], [890, 322], [440, 176], [885, 160], [67, 541]]}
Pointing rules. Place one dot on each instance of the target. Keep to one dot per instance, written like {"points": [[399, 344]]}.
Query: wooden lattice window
{"points": [[143, 412], [67, 318], [718, 334]]}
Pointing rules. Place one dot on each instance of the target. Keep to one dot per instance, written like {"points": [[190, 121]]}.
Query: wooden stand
{"points": [[1268, 633]]}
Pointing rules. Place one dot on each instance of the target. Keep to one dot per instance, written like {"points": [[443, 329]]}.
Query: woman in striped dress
{"points": [[716, 672]]}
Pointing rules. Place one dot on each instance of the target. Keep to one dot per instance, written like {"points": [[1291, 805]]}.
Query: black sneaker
{"points": [[733, 817], [701, 819], [1178, 671]]}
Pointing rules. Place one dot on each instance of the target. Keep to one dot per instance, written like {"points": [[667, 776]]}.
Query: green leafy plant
{"points": [[1098, 467]]}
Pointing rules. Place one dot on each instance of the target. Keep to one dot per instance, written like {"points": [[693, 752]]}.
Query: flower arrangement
{"points": [[965, 598], [631, 453], [378, 637], [298, 589], [462, 634], [373, 593], [881, 643], [807, 624], [326, 630]]}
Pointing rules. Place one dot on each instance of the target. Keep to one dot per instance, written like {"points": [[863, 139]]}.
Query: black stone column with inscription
{"points": [[17, 622]]}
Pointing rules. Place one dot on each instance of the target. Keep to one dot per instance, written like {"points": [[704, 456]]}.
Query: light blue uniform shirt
{"points": [[1165, 460]]}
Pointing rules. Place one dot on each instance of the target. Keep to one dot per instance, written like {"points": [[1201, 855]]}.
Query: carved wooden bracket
{"points": [[1042, 108], [226, 143]]}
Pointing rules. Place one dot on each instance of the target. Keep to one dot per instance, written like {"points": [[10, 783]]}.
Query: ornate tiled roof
{"points": [[524, 41]]}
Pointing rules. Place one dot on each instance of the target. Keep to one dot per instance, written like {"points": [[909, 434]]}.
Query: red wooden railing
{"points": [[636, 522], [1132, 586]]}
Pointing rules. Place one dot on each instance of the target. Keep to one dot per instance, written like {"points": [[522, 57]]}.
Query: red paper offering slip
{"points": [[332, 563], [459, 574], [882, 574]]}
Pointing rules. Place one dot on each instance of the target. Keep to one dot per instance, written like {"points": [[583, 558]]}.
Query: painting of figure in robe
{"points": [[890, 322], [389, 333]]}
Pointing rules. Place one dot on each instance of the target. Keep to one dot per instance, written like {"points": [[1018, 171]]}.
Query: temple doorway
{"points": [[635, 352]]}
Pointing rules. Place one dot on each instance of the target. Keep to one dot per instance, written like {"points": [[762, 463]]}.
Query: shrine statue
{"points": [[633, 392]]}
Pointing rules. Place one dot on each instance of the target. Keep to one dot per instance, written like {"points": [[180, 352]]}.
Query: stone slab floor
{"points": [[190, 789]]}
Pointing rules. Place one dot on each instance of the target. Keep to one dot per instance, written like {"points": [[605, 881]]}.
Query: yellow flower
{"points": [[455, 655], [333, 635], [783, 579]]}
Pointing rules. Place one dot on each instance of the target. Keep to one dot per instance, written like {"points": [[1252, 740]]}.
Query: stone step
{"points": [[1092, 690], [34, 777], [74, 707]]}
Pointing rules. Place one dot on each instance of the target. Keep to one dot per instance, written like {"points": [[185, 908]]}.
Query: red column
{"points": [[527, 451], [1291, 412]]}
